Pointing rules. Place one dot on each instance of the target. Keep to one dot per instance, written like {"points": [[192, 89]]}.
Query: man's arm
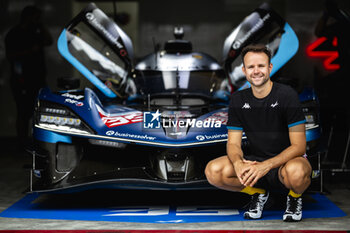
{"points": [[233, 146], [234, 151], [297, 148]]}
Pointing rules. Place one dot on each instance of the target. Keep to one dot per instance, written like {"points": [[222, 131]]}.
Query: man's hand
{"points": [[242, 166], [252, 171]]}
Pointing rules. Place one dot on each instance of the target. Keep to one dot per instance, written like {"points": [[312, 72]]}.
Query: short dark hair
{"points": [[256, 48]]}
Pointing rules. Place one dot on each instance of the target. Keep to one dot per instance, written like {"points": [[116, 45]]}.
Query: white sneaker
{"points": [[293, 211], [256, 206]]}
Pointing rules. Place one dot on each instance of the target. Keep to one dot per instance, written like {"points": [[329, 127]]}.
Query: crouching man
{"points": [[270, 114]]}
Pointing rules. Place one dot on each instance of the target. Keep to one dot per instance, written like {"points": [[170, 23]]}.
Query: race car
{"points": [[152, 125]]}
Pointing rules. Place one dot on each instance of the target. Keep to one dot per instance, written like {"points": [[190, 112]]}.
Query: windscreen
{"points": [[96, 55], [192, 82]]}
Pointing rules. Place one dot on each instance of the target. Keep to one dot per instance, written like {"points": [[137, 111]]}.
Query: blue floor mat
{"points": [[160, 207]]}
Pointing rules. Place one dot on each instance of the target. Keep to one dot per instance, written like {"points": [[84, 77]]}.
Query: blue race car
{"points": [[153, 125]]}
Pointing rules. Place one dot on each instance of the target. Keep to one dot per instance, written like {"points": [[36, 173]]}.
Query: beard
{"points": [[258, 83]]}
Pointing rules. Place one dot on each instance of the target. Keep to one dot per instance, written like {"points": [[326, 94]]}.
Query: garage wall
{"points": [[55, 15]]}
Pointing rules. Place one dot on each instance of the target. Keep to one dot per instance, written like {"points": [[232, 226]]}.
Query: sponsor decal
{"points": [[77, 97], [129, 135], [237, 44], [75, 102], [177, 114], [91, 17], [110, 132], [37, 173], [125, 118], [211, 137], [218, 116]]}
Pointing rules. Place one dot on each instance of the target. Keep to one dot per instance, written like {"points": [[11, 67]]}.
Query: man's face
{"points": [[257, 68]]}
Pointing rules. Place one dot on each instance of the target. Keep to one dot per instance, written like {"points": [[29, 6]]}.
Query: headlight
{"points": [[57, 117], [60, 120]]}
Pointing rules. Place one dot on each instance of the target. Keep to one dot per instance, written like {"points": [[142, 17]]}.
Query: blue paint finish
{"points": [[51, 137], [307, 94], [287, 49], [62, 45], [313, 134], [90, 115], [320, 207]]}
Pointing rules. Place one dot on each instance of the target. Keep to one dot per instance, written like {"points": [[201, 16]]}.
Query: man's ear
{"points": [[270, 67], [243, 69]]}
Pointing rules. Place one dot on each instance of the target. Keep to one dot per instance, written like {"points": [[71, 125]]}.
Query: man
{"points": [[270, 115], [25, 44]]}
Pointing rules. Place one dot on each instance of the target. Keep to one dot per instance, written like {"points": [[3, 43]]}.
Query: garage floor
{"points": [[14, 180]]}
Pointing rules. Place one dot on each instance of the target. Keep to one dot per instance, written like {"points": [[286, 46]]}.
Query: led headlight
{"points": [[56, 117], [55, 111], [107, 143], [60, 120]]}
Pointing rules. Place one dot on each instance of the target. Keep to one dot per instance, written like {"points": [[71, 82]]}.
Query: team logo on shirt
{"points": [[246, 106], [275, 104]]}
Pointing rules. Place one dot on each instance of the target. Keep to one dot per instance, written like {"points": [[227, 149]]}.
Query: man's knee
{"points": [[298, 171], [216, 171], [213, 172]]}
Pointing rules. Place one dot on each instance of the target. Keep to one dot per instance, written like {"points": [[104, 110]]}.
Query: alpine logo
{"points": [[274, 105]]}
